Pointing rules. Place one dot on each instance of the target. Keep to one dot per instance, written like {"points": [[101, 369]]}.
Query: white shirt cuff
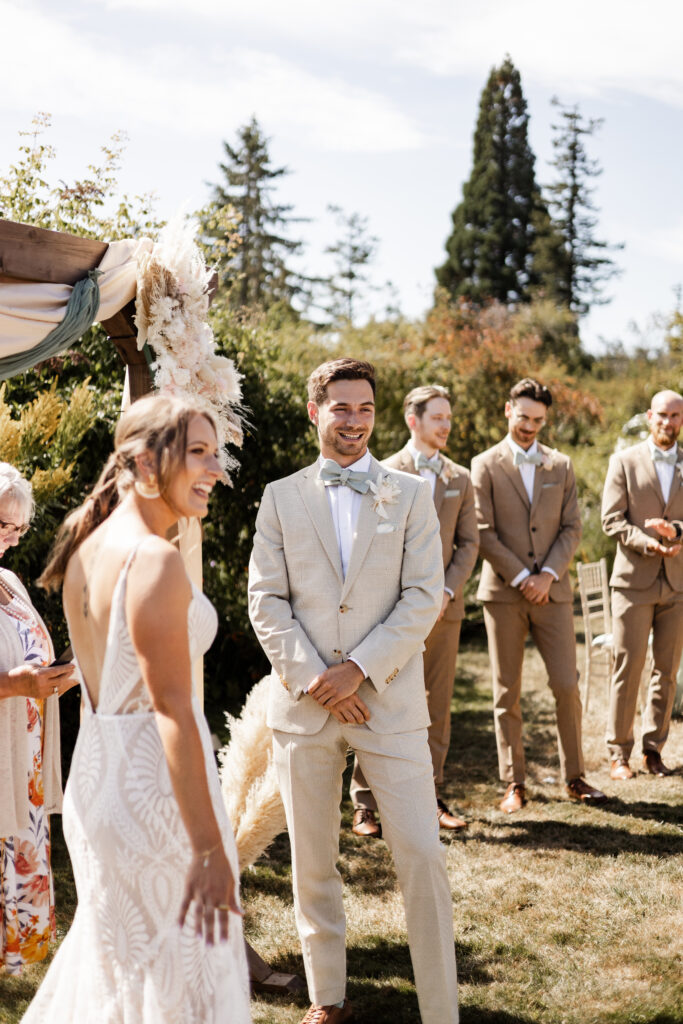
{"points": [[365, 675], [448, 591], [546, 568], [519, 577]]}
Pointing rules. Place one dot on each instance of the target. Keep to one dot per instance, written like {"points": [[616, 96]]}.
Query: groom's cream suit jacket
{"points": [[307, 616]]}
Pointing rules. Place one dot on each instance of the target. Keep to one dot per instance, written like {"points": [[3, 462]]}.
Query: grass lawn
{"points": [[563, 914]]}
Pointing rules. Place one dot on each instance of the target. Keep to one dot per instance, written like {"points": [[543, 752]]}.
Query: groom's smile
{"points": [[344, 420]]}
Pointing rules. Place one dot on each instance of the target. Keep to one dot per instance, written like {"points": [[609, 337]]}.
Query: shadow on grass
{"points": [[665, 814], [601, 840]]}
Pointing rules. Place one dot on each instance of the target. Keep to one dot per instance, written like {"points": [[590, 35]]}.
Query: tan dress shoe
{"points": [[514, 799], [652, 763], [619, 770], [447, 820], [329, 1014], [365, 824], [579, 789]]}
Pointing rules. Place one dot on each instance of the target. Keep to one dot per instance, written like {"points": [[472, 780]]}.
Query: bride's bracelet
{"points": [[204, 855]]}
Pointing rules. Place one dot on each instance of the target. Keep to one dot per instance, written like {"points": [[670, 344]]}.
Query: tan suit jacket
{"points": [[308, 617], [454, 504], [516, 534], [633, 494]]}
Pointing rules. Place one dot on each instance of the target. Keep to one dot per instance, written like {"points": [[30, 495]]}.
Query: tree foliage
{"points": [[256, 273], [496, 226], [582, 264]]}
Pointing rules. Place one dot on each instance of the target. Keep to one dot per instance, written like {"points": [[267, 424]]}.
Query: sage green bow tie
{"points": [[669, 457], [334, 476], [521, 457], [434, 464]]}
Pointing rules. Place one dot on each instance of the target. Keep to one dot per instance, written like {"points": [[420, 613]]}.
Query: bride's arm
{"points": [[157, 599]]}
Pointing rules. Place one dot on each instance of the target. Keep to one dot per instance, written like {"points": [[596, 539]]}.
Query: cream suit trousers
{"points": [[398, 768]]}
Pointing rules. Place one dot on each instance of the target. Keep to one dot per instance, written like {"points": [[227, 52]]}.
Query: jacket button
{"points": [[335, 651], [533, 529], [531, 554], [343, 608]]}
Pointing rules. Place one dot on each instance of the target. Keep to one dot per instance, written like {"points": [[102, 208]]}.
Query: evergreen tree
{"points": [[352, 252], [582, 264], [491, 247], [257, 273]]}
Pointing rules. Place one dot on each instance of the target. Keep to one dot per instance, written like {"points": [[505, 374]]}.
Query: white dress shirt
{"points": [[527, 471], [664, 471], [345, 506]]}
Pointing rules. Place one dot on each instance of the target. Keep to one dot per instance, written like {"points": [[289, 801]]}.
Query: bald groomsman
{"points": [[529, 528], [643, 508], [427, 412]]}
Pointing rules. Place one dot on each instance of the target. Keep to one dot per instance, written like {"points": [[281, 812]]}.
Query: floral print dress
{"points": [[27, 911]]}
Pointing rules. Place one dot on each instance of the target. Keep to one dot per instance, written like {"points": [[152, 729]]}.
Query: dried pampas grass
{"points": [[249, 780], [171, 314]]}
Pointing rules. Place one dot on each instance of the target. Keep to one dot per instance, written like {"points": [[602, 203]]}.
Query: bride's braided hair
{"points": [[156, 426]]}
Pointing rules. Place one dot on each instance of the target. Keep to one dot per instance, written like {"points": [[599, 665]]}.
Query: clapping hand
{"points": [[665, 529]]}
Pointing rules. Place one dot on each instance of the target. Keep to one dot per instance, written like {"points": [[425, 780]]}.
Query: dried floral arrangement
{"points": [[171, 314]]}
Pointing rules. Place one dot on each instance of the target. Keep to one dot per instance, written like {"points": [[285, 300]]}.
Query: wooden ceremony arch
{"points": [[37, 255]]}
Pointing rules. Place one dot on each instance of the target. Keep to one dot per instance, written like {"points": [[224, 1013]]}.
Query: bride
{"points": [[157, 936]]}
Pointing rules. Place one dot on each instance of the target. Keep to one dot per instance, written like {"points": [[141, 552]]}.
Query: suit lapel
{"points": [[538, 477], [651, 473], [508, 467], [366, 527], [676, 479], [312, 491]]}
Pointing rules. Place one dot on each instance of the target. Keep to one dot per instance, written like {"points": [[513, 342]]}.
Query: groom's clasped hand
{"points": [[335, 689]]}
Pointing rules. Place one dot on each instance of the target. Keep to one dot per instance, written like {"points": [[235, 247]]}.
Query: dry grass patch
{"points": [[563, 914]]}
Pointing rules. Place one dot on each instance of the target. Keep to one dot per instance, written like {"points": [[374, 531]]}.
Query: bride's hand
{"points": [[211, 884]]}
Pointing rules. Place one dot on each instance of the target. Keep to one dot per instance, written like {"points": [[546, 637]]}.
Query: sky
{"points": [[371, 105]]}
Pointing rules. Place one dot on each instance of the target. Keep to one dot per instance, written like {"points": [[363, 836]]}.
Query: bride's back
{"points": [[89, 583]]}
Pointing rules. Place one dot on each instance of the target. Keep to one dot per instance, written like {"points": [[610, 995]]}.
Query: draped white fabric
{"points": [[29, 311]]}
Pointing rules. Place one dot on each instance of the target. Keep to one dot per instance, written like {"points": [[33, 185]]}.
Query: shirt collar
{"points": [[361, 465], [655, 447], [514, 447]]}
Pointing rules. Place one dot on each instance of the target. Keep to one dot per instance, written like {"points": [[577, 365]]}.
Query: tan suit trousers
{"points": [[440, 655], [552, 629], [398, 768], [634, 614]]}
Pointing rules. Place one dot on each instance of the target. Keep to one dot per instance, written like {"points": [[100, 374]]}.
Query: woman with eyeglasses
{"points": [[30, 776]]}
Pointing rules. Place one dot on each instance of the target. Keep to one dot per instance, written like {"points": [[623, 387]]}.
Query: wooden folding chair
{"points": [[597, 622]]}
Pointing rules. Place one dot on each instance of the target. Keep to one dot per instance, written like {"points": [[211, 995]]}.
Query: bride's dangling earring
{"points": [[147, 490]]}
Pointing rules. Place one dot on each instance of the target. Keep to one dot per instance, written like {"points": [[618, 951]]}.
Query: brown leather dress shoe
{"points": [[447, 820], [365, 824], [329, 1014], [579, 789], [619, 770], [652, 763], [514, 799]]}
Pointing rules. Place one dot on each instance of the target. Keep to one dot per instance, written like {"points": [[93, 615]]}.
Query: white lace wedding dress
{"points": [[125, 960]]}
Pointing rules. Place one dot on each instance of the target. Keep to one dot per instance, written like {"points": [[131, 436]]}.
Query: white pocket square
{"points": [[553, 484], [451, 494], [387, 527]]}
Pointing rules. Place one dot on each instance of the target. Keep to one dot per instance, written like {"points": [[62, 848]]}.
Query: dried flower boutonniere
{"points": [[548, 459], [386, 492]]}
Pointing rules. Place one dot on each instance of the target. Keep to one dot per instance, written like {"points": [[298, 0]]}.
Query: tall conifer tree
{"points": [[491, 247], [583, 265], [257, 273]]}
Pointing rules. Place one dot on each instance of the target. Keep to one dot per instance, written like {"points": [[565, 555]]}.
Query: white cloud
{"points": [[589, 48], [84, 75]]}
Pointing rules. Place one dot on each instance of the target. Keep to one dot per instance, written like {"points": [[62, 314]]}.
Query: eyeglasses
{"points": [[7, 529]]}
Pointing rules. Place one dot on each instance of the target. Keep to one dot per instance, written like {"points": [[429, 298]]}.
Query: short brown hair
{"points": [[530, 388], [338, 369], [416, 400]]}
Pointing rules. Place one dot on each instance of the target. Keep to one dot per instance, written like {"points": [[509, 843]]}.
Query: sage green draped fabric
{"points": [[81, 312]]}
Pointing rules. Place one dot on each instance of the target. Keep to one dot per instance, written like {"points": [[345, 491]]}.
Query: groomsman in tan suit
{"points": [[345, 583], [427, 412], [642, 507], [529, 528]]}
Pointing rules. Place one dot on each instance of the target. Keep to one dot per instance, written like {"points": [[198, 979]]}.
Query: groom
{"points": [[345, 583]]}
